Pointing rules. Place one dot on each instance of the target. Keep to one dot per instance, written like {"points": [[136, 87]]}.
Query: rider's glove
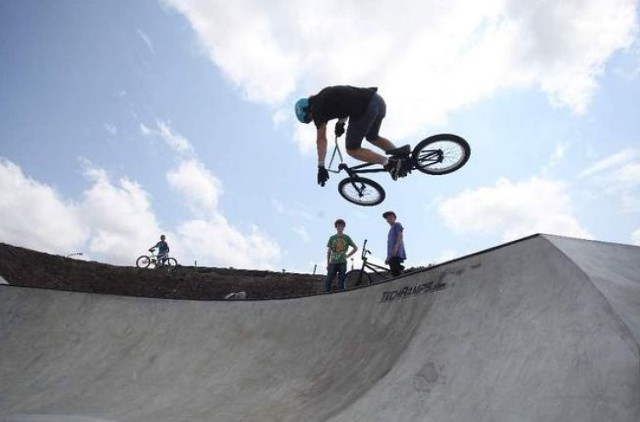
{"points": [[323, 175], [339, 129]]}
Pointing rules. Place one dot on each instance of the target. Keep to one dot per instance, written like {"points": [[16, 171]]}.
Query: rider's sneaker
{"points": [[394, 167]]}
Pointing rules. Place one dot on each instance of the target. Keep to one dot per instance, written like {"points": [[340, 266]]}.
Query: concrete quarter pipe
{"points": [[542, 329]]}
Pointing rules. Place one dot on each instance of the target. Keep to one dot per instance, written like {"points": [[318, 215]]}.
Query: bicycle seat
{"points": [[400, 152]]}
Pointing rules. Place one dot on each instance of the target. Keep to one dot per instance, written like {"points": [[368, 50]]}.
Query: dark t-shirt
{"points": [[337, 102], [163, 247]]}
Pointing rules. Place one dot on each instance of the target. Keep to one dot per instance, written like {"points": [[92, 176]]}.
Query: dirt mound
{"points": [[25, 267]]}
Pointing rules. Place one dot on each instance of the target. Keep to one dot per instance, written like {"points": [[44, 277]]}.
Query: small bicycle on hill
{"points": [[435, 155], [355, 278], [156, 261]]}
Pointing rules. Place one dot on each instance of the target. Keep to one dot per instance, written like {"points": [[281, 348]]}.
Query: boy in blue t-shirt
{"points": [[163, 249], [395, 244]]}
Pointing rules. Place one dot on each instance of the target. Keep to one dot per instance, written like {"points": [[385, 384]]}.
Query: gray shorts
{"points": [[368, 124]]}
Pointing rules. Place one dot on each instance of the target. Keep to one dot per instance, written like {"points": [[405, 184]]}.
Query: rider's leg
{"points": [[367, 156], [367, 126], [383, 143], [393, 165]]}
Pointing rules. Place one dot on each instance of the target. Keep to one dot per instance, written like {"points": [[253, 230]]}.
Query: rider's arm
{"points": [[321, 143]]}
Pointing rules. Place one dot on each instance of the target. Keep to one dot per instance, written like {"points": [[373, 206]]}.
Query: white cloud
{"points": [[146, 39], [111, 129], [429, 58], [611, 162], [175, 141], [618, 175], [115, 222], [119, 216], [34, 215], [513, 209], [292, 210], [635, 237], [197, 185], [448, 255], [568, 43], [209, 238], [302, 233], [556, 158], [215, 240], [112, 222]]}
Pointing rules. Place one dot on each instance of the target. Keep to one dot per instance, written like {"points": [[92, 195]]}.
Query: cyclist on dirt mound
{"points": [[163, 249], [364, 108]]}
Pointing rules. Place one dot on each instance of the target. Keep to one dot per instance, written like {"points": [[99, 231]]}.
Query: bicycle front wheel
{"points": [[441, 154], [361, 191], [355, 278], [143, 261]]}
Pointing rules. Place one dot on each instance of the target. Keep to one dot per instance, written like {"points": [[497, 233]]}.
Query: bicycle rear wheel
{"points": [[171, 264], [143, 261], [355, 278], [441, 154], [361, 191]]}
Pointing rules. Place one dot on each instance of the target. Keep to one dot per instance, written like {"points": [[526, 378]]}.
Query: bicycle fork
{"points": [[359, 187]]}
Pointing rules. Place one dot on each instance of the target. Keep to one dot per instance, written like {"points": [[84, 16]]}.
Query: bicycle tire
{"points": [[361, 191], [172, 263], [143, 261], [356, 278], [441, 154]]}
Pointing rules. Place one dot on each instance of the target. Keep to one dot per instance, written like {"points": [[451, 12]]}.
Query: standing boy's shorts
{"points": [[368, 124]]}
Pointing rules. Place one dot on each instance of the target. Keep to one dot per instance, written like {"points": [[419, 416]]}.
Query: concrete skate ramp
{"points": [[523, 332]]}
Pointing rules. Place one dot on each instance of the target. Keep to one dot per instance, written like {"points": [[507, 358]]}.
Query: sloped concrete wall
{"points": [[518, 333]]}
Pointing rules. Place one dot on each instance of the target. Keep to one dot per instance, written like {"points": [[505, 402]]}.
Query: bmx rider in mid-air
{"points": [[365, 109]]}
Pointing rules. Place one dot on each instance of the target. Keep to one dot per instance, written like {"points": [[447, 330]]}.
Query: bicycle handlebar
{"points": [[365, 251]]}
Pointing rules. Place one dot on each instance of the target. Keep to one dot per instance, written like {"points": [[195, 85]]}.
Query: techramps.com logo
{"points": [[411, 291]]}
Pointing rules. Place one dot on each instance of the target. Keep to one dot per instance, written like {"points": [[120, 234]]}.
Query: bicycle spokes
{"points": [[433, 157], [361, 191], [441, 157]]}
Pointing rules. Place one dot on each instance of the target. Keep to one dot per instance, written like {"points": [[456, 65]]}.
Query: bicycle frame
{"points": [[351, 171], [435, 155], [367, 264], [371, 266]]}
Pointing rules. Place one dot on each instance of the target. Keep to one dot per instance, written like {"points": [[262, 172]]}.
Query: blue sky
{"points": [[123, 120]]}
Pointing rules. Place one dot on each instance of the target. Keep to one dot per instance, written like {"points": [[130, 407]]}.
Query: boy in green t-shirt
{"points": [[337, 254]]}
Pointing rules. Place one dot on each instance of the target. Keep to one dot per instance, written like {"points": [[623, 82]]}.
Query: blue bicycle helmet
{"points": [[302, 108]]}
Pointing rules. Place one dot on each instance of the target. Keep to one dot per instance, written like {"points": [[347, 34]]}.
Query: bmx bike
{"points": [[355, 278], [436, 155], [156, 261]]}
